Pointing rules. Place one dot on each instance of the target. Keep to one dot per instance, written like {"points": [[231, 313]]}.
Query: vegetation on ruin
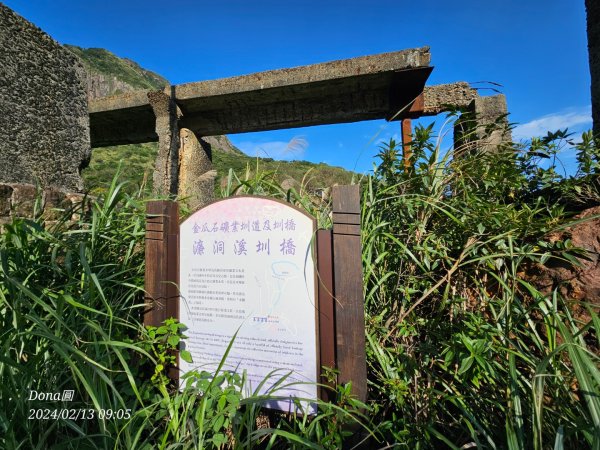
{"points": [[463, 350]]}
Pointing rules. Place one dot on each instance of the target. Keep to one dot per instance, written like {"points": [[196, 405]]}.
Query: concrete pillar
{"points": [[196, 174], [483, 125], [593, 32], [165, 178], [184, 162]]}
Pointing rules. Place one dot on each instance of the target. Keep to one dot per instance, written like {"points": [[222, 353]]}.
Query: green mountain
{"points": [[108, 74], [137, 162]]}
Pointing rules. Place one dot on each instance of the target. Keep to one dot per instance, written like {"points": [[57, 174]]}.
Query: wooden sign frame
{"points": [[340, 300]]}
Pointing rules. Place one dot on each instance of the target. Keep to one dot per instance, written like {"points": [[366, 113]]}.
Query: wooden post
{"points": [[348, 292], [406, 143], [162, 264], [325, 306]]}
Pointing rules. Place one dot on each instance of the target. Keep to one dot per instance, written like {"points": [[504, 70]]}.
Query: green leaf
{"points": [[559, 441], [466, 365], [219, 439], [173, 341], [222, 402], [186, 356], [218, 423]]}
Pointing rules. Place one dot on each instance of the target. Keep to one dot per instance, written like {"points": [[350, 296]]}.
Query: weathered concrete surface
{"points": [[369, 87], [443, 97], [491, 114], [122, 119], [483, 125], [196, 174], [44, 136], [165, 178], [593, 32]]}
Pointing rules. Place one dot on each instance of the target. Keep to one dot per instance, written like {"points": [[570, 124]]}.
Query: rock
{"points": [[5, 196], [55, 204], [223, 144], [574, 283], [23, 200]]}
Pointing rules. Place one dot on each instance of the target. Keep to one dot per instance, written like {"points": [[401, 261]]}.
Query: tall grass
{"points": [[71, 303], [463, 351], [316, 202]]}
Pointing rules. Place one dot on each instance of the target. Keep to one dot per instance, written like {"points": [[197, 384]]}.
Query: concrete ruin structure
{"points": [[44, 122], [387, 86], [47, 127]]}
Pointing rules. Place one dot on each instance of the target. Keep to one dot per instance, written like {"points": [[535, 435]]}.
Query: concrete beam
{"points": [[122, 119], [445, 97], [368, 87]]}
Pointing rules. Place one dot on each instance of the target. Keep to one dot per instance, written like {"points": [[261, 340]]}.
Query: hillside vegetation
{"points": [[139, 160], [101, 61]]}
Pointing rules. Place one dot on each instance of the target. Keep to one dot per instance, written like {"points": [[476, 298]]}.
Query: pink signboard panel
{"points": [[246, 264]]}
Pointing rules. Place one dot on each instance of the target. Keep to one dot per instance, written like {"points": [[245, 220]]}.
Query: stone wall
{"points": [[44, 124], [593, 31], [26, 200]]}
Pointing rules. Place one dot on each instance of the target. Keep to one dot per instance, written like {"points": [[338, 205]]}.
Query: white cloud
{"points": [[572, 118], [294, 149]]}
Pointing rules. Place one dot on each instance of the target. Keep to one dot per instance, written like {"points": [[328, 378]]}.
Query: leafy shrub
{"points": [[462, 350], [459, 343]]}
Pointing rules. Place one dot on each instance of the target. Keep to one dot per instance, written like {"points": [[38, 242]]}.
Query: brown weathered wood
{"points": [[348, 291], [406, 143], [342, 228], [154, 226], [351, 219], [162, 265], [345, 200], [325, 306]]}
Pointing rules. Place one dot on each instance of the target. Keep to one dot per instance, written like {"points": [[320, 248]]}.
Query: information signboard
{"points": [[246, 266]]}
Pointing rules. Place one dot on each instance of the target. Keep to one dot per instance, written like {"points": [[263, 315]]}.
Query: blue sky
{"points": [[536, 49]]}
